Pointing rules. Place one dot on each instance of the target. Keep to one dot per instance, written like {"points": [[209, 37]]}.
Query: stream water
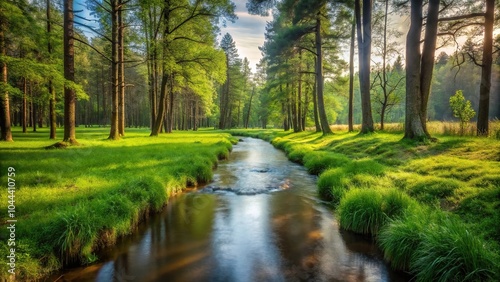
{"points": [[259, 220]]}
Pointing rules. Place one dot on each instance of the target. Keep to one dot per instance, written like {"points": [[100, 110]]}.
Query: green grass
{"points": [[424, 202], [72, 201], [367, 210]]}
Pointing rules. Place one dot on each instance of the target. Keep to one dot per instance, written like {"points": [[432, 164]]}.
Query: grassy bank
{"points": [[71, 202], [434, 208]]}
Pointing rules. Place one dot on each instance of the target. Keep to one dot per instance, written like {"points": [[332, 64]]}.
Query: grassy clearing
{"points": [[71, 202], [433, 207]]}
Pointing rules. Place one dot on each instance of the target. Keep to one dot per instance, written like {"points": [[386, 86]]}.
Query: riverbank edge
{"points": [[415, 238], [29, 267]]}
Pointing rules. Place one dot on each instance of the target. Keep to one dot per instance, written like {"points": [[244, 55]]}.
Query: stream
{"points": [[259, 220]]}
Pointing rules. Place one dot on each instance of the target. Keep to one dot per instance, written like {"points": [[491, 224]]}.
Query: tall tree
{"points": [[351, 78], [52, 91], [485, 86], [364, 31], [320, 83], [419, 67], [5, 124], [69, 75]]}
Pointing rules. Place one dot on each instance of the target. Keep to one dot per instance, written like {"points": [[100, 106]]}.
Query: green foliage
{"points": [[462, 109]]}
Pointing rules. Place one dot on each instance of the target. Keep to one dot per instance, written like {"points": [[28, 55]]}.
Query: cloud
{"points": [[247, 32]]}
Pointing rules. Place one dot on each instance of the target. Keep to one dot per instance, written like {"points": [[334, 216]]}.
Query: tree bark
{"points": [[351, 78], [5, 126], [247, 120], [413, 123], [114, 133], [364, 53], [428, 54], [52, 92], [485, 86], [315, 103], [69, 74], [325, 126], [25, 105], [121, 68]]}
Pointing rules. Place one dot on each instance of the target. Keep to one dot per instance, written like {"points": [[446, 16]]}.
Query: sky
{"points": [[247, 32]]}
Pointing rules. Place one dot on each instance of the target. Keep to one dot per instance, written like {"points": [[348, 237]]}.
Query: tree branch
{"points": [[461, 17], [93, 48]]}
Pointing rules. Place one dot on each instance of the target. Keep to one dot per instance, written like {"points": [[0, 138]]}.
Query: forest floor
{"points": [[427, 204], [70, 202]]}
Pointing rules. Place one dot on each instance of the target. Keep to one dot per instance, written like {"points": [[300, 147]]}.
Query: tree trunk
{"points": [[171, 106], [413, 123], [351, 78], [364, 52], [25, 105], [69, 74], [315, 103], [161, 111], [384, 68], [114, 133], [325, 126], [247, 120], [5, 126], [52, 92], [428, 54], [121, 68], [485, 86]]}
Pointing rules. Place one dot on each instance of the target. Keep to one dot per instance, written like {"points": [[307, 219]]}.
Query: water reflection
{"points": [[245, 226]]}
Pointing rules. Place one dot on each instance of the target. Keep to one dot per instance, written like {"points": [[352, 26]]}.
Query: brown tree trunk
{"points": [[121, 68], [25, 105], [364, 52], [325, 126], [485, 86], [114, 133], [413, 123], [315, 103], [247, 119], [384, 68], [161, 111], [351, 78], [428, 54], [52, 92], [5, 126], [299, 96], [171, 106], [69, 74]]}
